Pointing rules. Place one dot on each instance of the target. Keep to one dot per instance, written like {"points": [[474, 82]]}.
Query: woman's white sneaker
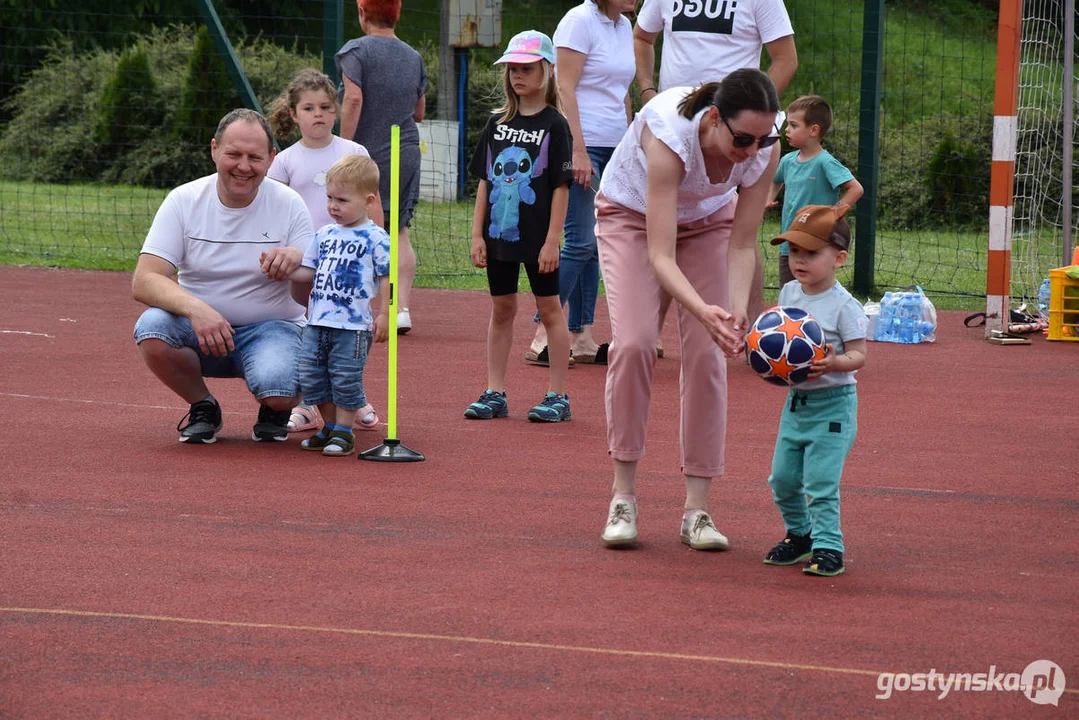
{"points": [[621, 530], [404, 321], [700, 533]]}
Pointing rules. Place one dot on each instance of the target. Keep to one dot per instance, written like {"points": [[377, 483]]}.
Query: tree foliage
{"points": [[129, 109], [207, 92], [55, 133]]}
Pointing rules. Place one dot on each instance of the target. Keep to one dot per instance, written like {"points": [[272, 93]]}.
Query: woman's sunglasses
{"points": [[742, 140]]}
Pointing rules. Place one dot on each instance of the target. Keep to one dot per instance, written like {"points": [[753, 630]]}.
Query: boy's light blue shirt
{"points": [[813, 182], [840, 316], [348, 262]]}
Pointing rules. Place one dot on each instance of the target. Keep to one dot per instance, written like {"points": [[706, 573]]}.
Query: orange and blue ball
{"points": [[784, 342]]}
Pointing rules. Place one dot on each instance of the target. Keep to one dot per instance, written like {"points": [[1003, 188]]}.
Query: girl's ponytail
{"points": [[280, 118]]}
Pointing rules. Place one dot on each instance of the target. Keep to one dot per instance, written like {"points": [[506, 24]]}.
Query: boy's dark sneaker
{"points": [[791, 550], [825, 562], [203, 423], [490, 405], [553, 408], [272, 425]]}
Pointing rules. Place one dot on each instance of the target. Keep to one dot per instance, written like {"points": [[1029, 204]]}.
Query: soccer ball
{"points": [[783, 343]]}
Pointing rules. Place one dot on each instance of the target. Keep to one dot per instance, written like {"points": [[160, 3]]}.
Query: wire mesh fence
{"points": [[105, 109]]}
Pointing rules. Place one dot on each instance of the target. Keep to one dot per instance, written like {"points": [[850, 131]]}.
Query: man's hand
{"points": [[381, 327], [279, 263], [213, 331], [548, 257]]}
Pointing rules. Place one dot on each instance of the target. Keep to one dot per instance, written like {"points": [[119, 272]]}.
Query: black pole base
{"points": [[391, 450]]}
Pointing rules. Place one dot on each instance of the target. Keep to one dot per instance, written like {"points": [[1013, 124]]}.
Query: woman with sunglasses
{"points": [[670, 215]]}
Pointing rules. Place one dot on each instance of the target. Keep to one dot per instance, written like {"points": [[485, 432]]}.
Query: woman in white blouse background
{"points": [[595, 66]]}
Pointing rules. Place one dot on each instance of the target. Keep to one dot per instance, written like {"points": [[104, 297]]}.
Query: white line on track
{"points": [[456, 639], [26, 332]]}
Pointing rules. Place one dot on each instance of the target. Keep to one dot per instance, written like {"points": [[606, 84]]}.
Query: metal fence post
{"points": [[865, 251], [228, 55], [333, 35]]}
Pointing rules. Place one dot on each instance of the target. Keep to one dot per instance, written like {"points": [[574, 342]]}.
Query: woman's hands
{"points": [[727, 329]]}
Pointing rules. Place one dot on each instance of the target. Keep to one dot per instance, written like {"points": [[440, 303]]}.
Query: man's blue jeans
{"points": [[265, 356]]}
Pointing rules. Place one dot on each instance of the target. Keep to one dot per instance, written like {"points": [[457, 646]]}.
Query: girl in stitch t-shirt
{"points": [[524, 162]]}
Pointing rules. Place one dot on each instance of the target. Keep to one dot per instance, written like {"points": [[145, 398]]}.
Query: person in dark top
{"points": [[387, 75], [524, 162]]}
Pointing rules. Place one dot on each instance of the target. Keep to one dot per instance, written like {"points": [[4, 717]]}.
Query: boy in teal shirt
{"points": [[809, 175], [820, 418]]}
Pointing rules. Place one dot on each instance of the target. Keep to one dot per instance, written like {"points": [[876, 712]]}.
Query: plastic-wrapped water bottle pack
{"points": [[904, 317]]}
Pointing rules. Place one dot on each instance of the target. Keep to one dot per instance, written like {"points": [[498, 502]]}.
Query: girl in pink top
{"points": [[309, 104], [701, 163]]}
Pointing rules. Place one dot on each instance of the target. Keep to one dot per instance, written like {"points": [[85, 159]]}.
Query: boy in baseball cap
{"points": [[820, 416]]}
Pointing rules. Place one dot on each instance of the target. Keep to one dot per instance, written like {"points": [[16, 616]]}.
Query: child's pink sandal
{"points": [[366, 418], [304, 417]]}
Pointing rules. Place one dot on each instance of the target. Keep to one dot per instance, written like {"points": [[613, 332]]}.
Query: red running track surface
{"points": [[144, 578]]}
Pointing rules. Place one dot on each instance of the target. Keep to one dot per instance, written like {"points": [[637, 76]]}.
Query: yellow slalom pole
{"points": [[395, 233], [391, 450]]}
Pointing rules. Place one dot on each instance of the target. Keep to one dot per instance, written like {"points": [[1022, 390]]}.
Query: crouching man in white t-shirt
{"points": [[214, 270]]}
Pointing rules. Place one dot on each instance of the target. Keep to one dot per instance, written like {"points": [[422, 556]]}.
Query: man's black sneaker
{"points": [[828, 563], [272, 425], [791, 550], [203, 422]]}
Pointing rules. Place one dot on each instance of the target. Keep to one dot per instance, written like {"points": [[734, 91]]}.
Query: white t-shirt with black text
{"points": [[216, 249], [706, 40]]}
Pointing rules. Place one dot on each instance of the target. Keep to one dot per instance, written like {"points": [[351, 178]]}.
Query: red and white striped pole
{"points": [[1002, 177]]}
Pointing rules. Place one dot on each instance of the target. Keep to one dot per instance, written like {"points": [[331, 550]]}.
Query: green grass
{"points": [[89, 226], [103, 226]]}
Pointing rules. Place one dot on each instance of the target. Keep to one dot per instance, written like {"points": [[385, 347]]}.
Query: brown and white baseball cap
{"points": [[816, 226]]}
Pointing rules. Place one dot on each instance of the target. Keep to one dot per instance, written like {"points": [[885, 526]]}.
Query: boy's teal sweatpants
{"points": [[816, 432]]}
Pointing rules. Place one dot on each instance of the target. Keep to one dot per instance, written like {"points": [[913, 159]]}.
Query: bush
{"points": [[207, 92], [957, 181], [49, 137], [66, 97], [129, 109]]}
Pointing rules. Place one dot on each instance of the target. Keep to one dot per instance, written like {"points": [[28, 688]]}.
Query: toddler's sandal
{"points": [[366, 418], [304, 417], [340, 444], [316, 442]]}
